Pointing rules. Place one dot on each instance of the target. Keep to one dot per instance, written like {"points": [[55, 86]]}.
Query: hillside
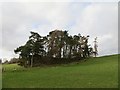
{"points": [[100, 72]]}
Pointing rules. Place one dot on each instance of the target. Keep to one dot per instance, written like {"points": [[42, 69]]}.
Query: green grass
{"points": [[101, 72]]}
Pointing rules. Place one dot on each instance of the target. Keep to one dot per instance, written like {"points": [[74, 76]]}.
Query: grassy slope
{"points": [[99, 72]]}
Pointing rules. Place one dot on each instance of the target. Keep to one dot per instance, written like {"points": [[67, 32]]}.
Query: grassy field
{"points": [[100, 72]]}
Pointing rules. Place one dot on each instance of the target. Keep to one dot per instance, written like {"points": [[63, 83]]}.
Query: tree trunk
{"points": [[32, 61], [60, 53], [70, 51]]}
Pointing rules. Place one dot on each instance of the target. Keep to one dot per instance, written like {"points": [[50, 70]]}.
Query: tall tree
{"points": [[34, 46], [65, 47]]}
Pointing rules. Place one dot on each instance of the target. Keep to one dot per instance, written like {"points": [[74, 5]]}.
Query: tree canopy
{"points": [[57, 44]]}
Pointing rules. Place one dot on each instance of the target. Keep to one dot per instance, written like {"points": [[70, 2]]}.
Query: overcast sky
{"points": [[97, 19]]}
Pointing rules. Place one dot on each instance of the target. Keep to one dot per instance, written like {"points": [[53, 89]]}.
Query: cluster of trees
{"points": [[13, 60], [58, 44]]}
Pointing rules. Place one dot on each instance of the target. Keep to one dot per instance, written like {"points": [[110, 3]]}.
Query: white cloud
{"points": [[101, 20], [0, 31], [59, 0], [95, 19]]}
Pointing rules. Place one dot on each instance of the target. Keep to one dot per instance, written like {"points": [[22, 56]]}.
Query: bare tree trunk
{"points": [[32, 61], [60, 53]]}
